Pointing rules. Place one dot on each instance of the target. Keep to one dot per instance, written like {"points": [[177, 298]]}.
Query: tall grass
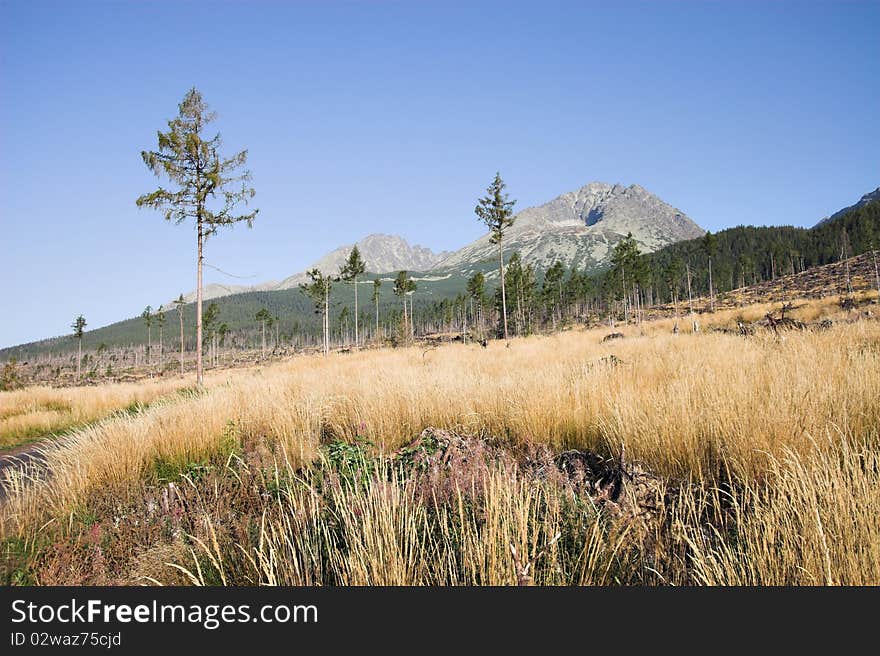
{"points": [[37, 411]]}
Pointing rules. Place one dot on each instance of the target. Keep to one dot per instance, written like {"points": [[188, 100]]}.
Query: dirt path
{"points": [[19, 457]]}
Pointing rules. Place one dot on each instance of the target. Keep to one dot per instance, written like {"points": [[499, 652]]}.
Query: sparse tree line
{"points": [[208, 189], [531, 300]]}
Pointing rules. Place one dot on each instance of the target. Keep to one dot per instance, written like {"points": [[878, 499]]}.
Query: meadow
{"points": [[41, 411], [657, 458]]}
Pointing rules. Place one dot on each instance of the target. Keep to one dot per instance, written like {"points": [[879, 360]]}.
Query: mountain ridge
{"points": [[864, 200], [383, 253], [581, 227]]}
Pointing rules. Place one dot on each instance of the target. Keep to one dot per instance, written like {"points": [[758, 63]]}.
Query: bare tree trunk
{"points": [[711, 293], [377, 318], [503, 292], [326, 320], [263, 345], [79, 357], [161, 330], [357, 343], [690, 297], [876, 274], [180, 314], [200, 376]]}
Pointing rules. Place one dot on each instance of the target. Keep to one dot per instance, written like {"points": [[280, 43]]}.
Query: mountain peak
{"points": [[580, 228]]}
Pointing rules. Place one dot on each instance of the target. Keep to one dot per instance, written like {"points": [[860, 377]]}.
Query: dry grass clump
{"points": [[769, 443]]}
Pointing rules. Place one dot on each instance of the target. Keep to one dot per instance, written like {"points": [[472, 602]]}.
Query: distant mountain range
{"points": [[382, 253], [578, 228]]}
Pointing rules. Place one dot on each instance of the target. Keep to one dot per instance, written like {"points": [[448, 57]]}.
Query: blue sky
{"points": [[393, 117]]}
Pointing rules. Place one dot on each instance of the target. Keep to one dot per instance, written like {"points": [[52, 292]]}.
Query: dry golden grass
{"points": [[36, 411], [793, 420]]}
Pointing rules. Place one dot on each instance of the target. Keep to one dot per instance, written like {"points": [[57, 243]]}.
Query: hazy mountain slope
{"points": [[580, 228], [382, 253], [864, 200]]}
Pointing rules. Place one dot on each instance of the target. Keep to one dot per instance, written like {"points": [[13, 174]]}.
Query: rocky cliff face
{"points": [[580, 228]]}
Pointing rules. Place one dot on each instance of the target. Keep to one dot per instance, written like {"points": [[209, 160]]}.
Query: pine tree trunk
{"points": [[503, 292], [326, 320], [690, 296], [357, 343], [181, 343], [264, 339], [876, 274], [200, 376], [711, 292], [79, 357]]}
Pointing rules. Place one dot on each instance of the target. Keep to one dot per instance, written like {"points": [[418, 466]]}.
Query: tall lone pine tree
{"points": [[207, 187], [353, 268], [496, 211], [78, 326]]}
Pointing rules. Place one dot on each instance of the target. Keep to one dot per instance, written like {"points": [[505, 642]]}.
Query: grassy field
{"points": [[35, 412], [706, 458]]}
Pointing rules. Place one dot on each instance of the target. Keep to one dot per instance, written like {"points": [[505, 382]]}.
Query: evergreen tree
{"points": [[377, 284], [263, 317], [180, 304], [353, 268], [403, 286], [78, 325], [552, 290], [476, 286], [625, 263], [318, 289], [710, 247], [344, 316], [147, 316], [672, 279], [160, 324], [496, 211], [208, 186], [212, 315]]}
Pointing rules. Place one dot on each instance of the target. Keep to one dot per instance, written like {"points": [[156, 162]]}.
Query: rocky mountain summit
{"points": [[580, 228]]}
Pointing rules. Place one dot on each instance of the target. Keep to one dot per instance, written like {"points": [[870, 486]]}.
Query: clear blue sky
{"points": [[393, 117]]}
